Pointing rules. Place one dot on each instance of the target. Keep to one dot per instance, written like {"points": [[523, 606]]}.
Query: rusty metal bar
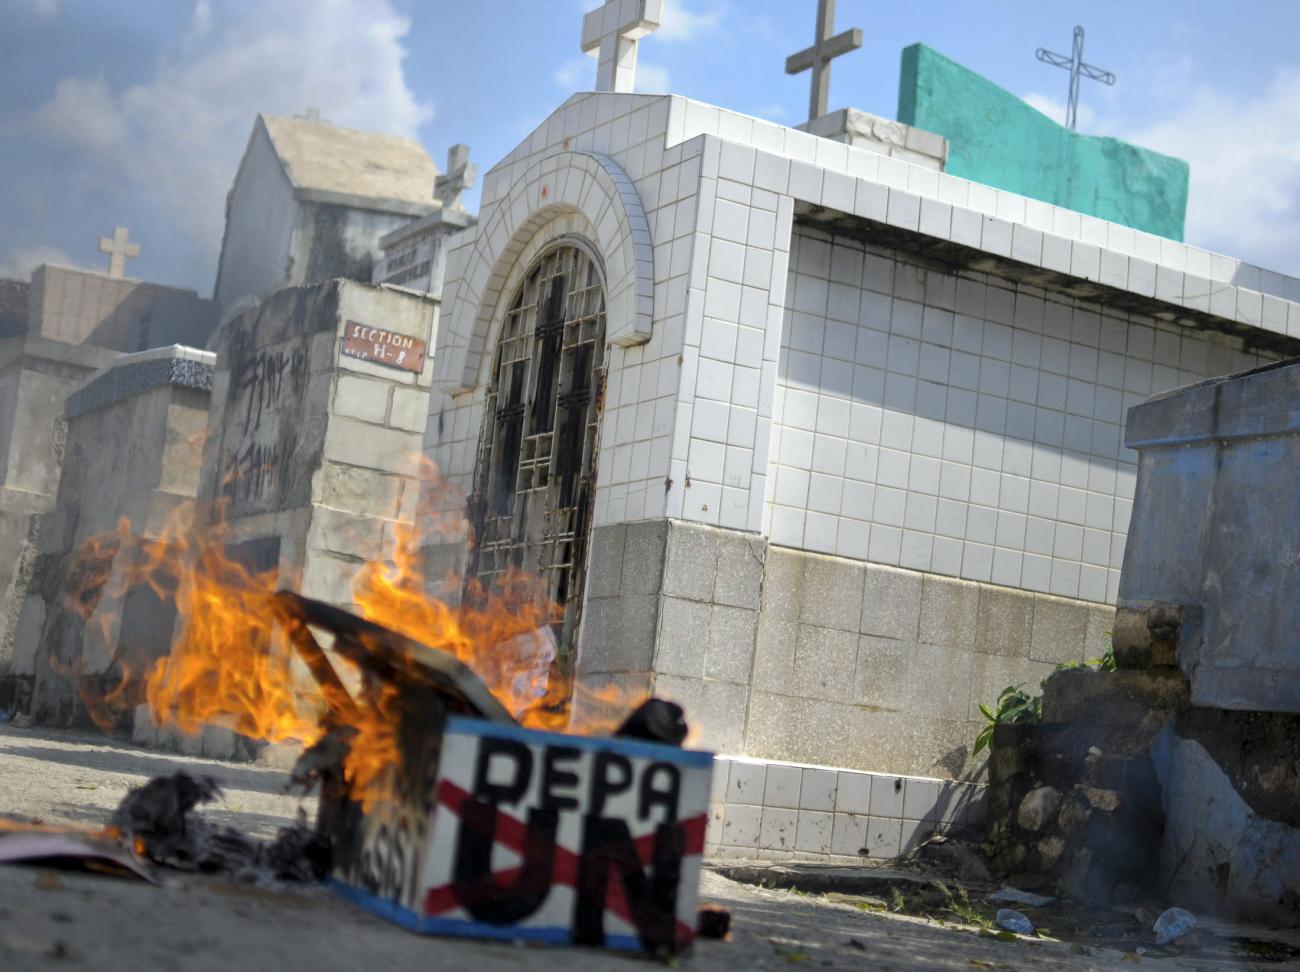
{"points": [[317, 662], [393, 657]]}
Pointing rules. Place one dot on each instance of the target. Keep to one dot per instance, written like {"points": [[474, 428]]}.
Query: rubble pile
{"points": [[1096, 796], [1076, 796]]}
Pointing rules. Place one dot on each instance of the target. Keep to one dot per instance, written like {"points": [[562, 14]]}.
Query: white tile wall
{"points": [[636, 466], [718, 191], [961, 424], [783, 811], [1014, 220]]}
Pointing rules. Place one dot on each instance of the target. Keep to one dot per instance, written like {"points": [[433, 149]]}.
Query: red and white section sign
{"points": [[554, 838]]}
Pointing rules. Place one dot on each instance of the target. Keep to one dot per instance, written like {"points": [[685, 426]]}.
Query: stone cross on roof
{"points": [[611, 32], [119, 251], [459, 176], [818, 57]]}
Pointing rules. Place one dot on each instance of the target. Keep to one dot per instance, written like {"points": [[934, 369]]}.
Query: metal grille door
{"points": [[534, 477]]}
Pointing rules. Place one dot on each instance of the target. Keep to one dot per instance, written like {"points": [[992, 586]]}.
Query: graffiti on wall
{"points": [[264, 413]]}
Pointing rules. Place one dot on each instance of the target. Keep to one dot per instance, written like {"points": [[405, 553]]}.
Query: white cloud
{"points": [[1054, 109], [1244, 152], [178, 137], [577, 74], [681, 20], [774, 111], [652, 79], [41, 9], [84, 113], [18, 262], [200, 20], [1244, 196]]}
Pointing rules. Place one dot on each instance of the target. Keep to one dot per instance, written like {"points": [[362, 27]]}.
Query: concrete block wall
{"points": [[789, 811], [883, 669], [313, 454], [674, 608], [84, 307], [1215, 522], [882, 136], [763, 648], [36, 376], [133, 446], [786, 655]]}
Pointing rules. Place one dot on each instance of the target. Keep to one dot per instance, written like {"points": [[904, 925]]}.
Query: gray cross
{"points": [[1074, 64], [818, 57], [459, 176], [119, 251]]}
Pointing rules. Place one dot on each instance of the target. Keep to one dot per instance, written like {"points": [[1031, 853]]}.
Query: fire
{"points": [[232, 660], [501, 634]]}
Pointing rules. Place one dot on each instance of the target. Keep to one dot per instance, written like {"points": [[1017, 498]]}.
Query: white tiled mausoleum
{"points": [[851, 445]]}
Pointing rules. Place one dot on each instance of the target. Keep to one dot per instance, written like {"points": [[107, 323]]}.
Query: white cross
{"points": [[818, 57], [119, 251], [459, 176], [611, 32]]}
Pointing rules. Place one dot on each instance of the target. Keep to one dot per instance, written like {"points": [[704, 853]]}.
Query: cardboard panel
{"points": [[542, 837]]}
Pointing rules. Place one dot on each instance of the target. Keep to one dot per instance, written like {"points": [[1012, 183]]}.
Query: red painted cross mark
{"points": [[514, 834]]}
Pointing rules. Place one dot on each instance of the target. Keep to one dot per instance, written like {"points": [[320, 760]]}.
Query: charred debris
{"points": [[161, 823]]}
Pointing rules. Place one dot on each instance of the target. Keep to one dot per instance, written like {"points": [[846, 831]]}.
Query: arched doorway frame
{"points": [[534, 482]]}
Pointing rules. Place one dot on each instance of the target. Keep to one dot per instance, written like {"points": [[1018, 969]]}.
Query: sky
{"points": [[137, 113]]}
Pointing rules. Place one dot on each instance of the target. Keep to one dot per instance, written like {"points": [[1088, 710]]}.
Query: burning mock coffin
{"points": [[468, 824]]}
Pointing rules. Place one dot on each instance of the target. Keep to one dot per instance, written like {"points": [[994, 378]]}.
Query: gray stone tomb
{"points": [[134, 439]]}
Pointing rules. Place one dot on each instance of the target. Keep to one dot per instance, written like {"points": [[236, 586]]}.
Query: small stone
{"points": [[1075, 812], [1050, 850], [1010, 895], [1074, 880], [1172, 925], [963, 859], [1107, 801], [1015, 857], [1038, 807], [1014, 921]]}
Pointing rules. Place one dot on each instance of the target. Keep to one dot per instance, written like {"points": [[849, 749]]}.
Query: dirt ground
{"points": [[61, 920]]}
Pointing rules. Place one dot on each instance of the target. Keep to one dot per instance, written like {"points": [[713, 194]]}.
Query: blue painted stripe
{"points": [[628, 747], [433, 925]]}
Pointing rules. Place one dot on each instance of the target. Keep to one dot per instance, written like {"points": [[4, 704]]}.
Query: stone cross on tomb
{"points": [[611, 32], [459, 176], [1074, 64], [818, 57], [119, 251]]}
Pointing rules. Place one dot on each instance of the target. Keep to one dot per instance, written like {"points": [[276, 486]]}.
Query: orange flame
{"points": [[232, 664]]}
